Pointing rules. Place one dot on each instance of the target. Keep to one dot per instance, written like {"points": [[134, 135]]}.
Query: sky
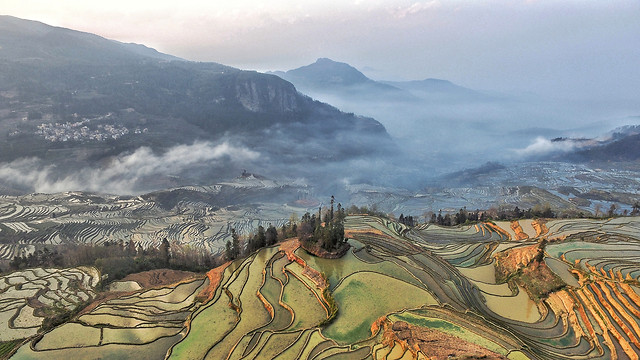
{"points": [[566, 49]]}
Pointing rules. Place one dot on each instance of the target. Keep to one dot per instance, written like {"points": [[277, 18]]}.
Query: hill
{"points": [[619, 145], [623, 145], [72, 100], [441, 90], [527, 289], [326, 75]]}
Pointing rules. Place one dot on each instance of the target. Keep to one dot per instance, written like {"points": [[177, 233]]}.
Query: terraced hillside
{"points": [[201, 217], [566, 289]]}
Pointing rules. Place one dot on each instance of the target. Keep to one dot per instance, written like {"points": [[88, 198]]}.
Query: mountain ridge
{"points": [[57, 97]]}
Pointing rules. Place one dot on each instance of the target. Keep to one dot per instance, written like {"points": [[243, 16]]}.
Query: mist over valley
{"points": [[319, 180]]}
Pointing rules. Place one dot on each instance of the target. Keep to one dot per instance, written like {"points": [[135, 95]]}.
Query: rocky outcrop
{"points": [[266, 93]]}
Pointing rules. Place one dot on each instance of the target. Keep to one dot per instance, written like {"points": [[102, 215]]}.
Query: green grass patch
{"points": [[7, 348], [305, 305], [366, 296]]}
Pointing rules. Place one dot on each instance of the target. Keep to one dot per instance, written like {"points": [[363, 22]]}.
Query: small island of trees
{"points": [[321, 234]]}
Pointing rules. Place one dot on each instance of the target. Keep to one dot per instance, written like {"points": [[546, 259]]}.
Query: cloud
{"points": [[124, 173], [415, 8], [542, 146]]}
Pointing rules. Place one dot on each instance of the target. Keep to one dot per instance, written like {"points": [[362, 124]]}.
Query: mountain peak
{"points": [[329, 72], [325, 60]]}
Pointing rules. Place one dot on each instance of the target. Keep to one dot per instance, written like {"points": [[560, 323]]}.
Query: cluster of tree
{"points": [[237, 247], [39, 258], [326, 232], [613, 210], [407, 220], [373, 210], [461, 217], [322, 230], [119, 259], [263, 238], [503, 213]]}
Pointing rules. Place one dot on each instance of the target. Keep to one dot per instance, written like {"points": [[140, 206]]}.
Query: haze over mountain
{"points": [[449, 126], [80, 110], [87, 113], [619, 145], [327, 79]]}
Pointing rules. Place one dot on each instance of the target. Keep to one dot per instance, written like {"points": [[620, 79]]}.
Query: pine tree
{"points": [[164, 251], [228, 251], [271, 236], [235, 244], [331, 213], [261, 239]]}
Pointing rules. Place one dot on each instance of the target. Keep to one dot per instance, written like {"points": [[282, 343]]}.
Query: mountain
{"points": [[619, 145], [31, 42], [328, 76], [325, 77], [432, 119], [442, 90], [624, 145], [73, 100]]}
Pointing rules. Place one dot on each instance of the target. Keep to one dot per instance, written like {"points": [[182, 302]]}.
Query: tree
{"points": [[164, 251], [613, 210], [461, 216], [228, 250], [235, 244], [259, 239], [341, 215], [131, 248], [331, 213], [596, 209], [517, 213], [433, 219], [635, 210], [271, 236]]}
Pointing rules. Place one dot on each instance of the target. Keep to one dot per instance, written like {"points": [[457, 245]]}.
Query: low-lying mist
{"points": [[449, 133], [127, 173]]}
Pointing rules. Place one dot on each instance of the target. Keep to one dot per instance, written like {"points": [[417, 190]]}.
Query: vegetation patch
{"points": [[526, 267], [434, 339], [366, 296], [8, 347]]}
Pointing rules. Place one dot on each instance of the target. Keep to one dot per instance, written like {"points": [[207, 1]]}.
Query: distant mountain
{"points": [[619, 145], [623, 148], [326, 77], [332, 77], [439, 89], [72, 100]]}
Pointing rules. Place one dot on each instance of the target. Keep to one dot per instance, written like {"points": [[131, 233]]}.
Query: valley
{"points": [[155, 207]]}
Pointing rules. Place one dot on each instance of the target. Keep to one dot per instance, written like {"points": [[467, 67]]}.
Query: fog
{"points": [[125, 173], [533, 71], [448, 132], [429, 139]]}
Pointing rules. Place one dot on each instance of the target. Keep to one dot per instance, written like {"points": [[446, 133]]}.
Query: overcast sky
{"points": [[563, 48]]}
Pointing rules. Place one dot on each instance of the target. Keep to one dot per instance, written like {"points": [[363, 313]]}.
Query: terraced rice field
{"points": [[27, 296], [426, 292], [38, 220]]}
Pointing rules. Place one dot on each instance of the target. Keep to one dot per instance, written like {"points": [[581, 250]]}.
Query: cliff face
{"points": [[266, 94]]}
